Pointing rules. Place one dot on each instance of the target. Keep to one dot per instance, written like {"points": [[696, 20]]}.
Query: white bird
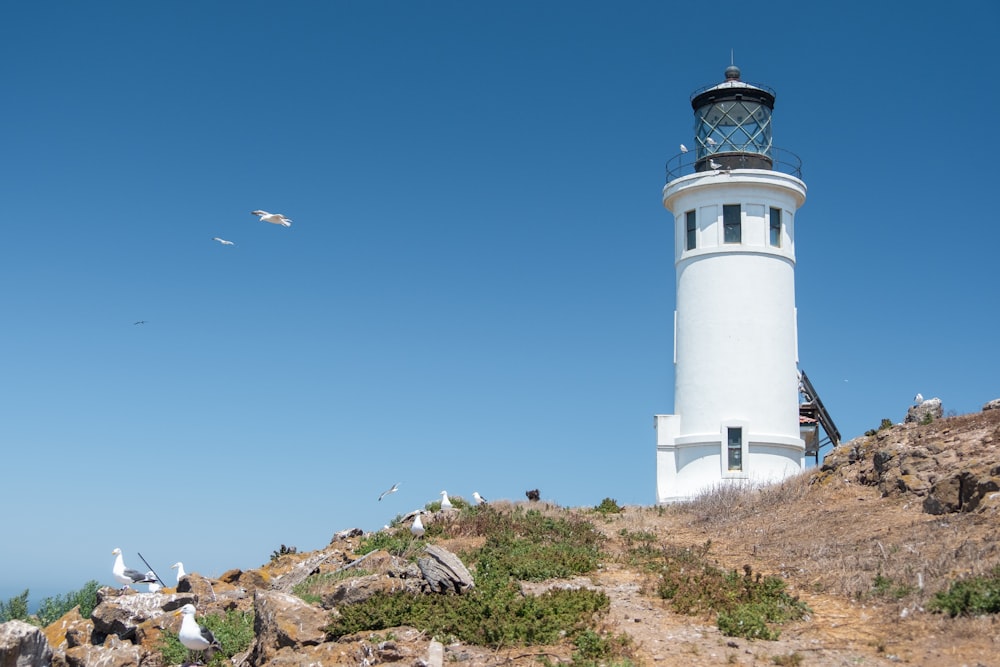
{"points": [[194, 636], [445, 503], [222, 241], [918, 399], [710, 141], [714, 165], [417, 528], [153, 586], [124, 575], [684, 149], [395, 487], [274, 218], [479, 499], [179, 566]]}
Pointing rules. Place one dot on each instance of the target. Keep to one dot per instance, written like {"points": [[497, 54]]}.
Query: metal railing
{"points": [[684, 164]]}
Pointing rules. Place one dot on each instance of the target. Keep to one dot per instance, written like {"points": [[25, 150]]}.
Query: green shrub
{"points": [[15, 609], [970, 597], [283, 551], [746, 605], [53, 608], [885, 587], [609, 506]]}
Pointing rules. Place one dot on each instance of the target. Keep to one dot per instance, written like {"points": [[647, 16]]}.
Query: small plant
{"points": [[15, 609], [886, 587], [793, 659], [886, 423], [974, 596], [283, 551], [609, 506], [926, 419], [53, 608]]}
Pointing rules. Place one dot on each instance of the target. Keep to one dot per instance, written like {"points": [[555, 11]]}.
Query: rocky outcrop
{"points": [[952, 464], [23, 645], [926, 411], [283, 621]]}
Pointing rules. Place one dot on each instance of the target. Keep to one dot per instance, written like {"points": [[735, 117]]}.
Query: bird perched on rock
{"points": [[125, 575], [478, 498], [153, 586], [273, 218], [417, 528], [918, 399], [445, 503], [193, 636], [179, 566]]}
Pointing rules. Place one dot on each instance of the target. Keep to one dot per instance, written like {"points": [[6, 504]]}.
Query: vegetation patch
{"points": [[746, 605], [520, 545], [52, 608], [974, 596]]}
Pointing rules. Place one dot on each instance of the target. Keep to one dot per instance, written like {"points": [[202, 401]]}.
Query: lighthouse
{"points": [[734, 198]]}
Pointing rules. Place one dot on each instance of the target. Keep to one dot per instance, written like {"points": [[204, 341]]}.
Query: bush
{"points": [[15, 609], [609, 506], [970, 597], [53, 608]]}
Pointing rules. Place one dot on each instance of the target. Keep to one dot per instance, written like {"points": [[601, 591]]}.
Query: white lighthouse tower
{"points": [[736, 397]]}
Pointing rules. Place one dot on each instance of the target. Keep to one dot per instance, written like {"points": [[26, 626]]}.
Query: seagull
{"points": [[274, 218], [395, 487], [179, 566], [479, 499], [194, 636], [918, 399], [684, 149], [714, 165], [417, 528], [154, 586], [445, 503], [126, 576], [139, 322], [710, 141], [222, 241]]}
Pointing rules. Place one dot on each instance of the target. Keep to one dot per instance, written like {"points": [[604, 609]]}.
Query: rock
{"points": [[444, 571], [122, 614], [927, 411], [359, 589], [284, 621], [992, 405], [114, 652], [71, 629], [23, 645]]}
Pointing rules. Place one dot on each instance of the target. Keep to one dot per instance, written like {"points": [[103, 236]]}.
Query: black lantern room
{"points": [[732, 127]]}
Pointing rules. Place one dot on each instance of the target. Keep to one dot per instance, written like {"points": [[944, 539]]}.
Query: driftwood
{"points": [[443, 571]]}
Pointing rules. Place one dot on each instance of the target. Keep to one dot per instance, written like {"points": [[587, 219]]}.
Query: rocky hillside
{"points": [[865, 541]]}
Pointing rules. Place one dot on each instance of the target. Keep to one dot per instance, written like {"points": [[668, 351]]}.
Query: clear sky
{"points": [[477, 290]]}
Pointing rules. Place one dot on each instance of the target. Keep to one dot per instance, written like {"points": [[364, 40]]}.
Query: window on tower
{"points": [[731, 221], [735, 449], [776, 227], [692, 228]]}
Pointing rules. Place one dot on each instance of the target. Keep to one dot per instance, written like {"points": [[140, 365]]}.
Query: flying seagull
{"points": [[274, 218], [139, 322], [417, 528], [124, 575], [479, 499], [684, 149], [179, 566], [395, 487], [222, 241], [194, 636], [445, 503]]}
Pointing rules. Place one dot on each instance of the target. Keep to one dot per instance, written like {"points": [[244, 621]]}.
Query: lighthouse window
{"points": [[735, 448], [731, 223], [692, 228], [776, 227]]}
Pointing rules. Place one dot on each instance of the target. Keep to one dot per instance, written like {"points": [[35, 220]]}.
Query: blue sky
{"points": [[476, 292]]}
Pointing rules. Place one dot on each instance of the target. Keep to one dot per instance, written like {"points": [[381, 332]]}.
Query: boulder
{"points": [[443, 571], [122, 614], [284, 621], [23, 645], [359, 589]]}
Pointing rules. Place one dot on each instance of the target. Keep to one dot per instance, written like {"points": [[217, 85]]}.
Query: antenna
{"points": [[732, 60]]}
